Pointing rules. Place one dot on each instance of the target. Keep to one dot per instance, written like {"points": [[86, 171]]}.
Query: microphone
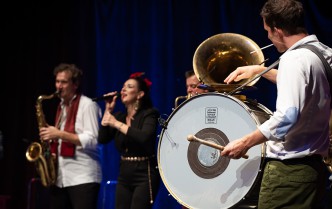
{"points": [[106, 97]]}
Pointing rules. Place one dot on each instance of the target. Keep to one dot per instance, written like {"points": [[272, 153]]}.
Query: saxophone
{"points": [[40, 153]]}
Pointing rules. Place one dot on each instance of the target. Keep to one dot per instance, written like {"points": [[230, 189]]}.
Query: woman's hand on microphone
{"points": [[110, 103]]}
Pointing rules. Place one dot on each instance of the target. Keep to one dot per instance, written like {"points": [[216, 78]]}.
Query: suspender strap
{"points": [[328, 69]]}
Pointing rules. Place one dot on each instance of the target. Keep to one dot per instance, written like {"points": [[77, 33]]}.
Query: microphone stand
{"points": [[257, 76]]}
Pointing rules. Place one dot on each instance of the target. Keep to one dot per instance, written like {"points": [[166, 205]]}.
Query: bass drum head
{"points": [[196, 175]]}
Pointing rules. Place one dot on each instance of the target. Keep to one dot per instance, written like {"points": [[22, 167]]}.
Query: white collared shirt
{"points": [[84, 167], [300, 124]]}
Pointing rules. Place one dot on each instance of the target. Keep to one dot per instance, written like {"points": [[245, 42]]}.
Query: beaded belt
{"points": [[137, 159]]}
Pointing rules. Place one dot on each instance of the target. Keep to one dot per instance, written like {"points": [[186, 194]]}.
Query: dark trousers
{"points": [[133, 190], [295, 183], [83, 196]]}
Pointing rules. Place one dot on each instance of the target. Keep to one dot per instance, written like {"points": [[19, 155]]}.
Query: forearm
{"points": [[271, 75], [69, 137], [254, 138], [122, 127]]}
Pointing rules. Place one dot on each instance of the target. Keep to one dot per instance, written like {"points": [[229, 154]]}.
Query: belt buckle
{"points": [[134, 159]]}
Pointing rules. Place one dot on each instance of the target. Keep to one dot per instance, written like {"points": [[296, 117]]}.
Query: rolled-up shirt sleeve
{"points": [[87, 125], [291, 98]]}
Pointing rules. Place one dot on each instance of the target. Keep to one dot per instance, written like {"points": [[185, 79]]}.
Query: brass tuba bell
{"points": [[218, 56]]}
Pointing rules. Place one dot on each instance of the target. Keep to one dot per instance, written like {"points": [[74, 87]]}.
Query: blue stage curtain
{"points": [[160, 39], [108, 40]]}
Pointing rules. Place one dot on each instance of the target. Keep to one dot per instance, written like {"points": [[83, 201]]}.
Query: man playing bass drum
{"points": [[297, 134]]}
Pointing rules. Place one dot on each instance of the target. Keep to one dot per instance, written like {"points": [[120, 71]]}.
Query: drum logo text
{"points": [[211, 114]]}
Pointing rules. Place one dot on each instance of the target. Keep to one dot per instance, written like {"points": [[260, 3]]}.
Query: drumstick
{"points": [[210, 144]]}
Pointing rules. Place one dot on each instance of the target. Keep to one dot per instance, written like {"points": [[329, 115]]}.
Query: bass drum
{"points": [[196, 175]]}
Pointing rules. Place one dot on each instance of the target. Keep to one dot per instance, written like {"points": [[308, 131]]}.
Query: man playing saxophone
{"points": [[73, 141]]}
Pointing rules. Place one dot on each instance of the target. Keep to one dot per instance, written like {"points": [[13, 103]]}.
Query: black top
{"points": [[141, 136]]}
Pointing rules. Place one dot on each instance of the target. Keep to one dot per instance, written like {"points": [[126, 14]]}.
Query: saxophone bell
{"points": [[34, 152]]}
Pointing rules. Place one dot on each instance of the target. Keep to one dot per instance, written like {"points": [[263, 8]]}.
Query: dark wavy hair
{"points": [[146, 101], [189, 73]]}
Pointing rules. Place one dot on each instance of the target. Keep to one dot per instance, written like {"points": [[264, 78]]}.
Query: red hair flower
{"points": [[140, 74], [147, 82], [137, 74]]}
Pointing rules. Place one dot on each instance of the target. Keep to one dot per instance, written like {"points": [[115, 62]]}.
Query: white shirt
{"points": [[300, 124], [84, 167]]}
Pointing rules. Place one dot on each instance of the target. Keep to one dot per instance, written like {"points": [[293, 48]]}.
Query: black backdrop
{"points": [[108, 40]]}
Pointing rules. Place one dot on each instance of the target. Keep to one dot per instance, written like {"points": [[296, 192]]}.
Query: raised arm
{"points": [[245, 72]]}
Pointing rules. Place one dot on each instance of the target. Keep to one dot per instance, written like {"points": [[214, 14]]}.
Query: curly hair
{"points": [[76, 73]]}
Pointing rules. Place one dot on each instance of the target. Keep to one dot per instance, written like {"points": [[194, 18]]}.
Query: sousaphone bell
{"points": [[219, 55]]}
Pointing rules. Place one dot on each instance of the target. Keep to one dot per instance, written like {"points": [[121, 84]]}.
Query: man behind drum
{"points": [[192, 83], [297, 134]]}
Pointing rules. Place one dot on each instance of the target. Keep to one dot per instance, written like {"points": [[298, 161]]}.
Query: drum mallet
{"points": [[210, 144]]}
